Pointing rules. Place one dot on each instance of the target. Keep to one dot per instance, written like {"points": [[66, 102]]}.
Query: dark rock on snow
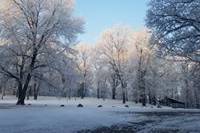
{"points": [[62, 105], [100, 106], [80, 106], [126, 106]]}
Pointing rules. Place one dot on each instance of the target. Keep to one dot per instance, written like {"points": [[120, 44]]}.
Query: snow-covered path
{"points": [[46, 116]]}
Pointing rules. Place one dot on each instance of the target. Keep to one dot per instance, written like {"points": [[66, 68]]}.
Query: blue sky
{"points": [[102, 14]]}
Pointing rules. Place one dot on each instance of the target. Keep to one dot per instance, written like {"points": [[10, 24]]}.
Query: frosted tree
{"points": [[195, 73], [175, 27], [113, 46], [101, 74], [143, 54], [29, 28], [148, 73], [84, 68]]}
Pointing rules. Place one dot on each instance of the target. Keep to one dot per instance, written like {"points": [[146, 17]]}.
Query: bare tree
{"points": [[143, 55], [113, 47], [84, 67], [29, 29]]}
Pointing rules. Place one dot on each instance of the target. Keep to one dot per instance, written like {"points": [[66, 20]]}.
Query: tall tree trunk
{"points": [[123, 85], [20, 95], [36, 89], [2, 95], [82, 86], [114, 85], [187, 97], [196, 99], [142, 88], [27, 96], [126, 92], [98, 93], [185, 69], [21, 98], [98, 90], [69, 93], [23, 89], [123, 97], [113, 93], [123, 92], [141, 72], [29, 93], [2, 92]]}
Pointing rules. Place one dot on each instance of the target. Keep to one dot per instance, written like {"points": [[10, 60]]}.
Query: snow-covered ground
{"points": [[46, 116]]}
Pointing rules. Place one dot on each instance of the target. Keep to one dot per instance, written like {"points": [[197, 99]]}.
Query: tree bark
{"points": [[114, 85], [23, 89], [142, 89], [82, 87], [113, 93], [21, 96], [98, 90], [2, 93], [123, 92], [35, 91], [124, 97]]}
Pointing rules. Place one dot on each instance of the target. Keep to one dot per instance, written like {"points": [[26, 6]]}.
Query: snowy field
{"points": [[46, 116]]}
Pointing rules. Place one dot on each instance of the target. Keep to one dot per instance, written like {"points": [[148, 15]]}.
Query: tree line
{"points": [[40, 54]]}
